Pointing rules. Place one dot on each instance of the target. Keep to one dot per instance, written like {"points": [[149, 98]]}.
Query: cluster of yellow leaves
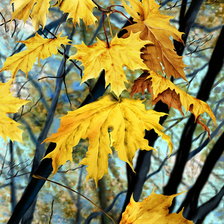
{"points": [[105, 123], [79, 9], [152, 210], [164, 90], [109, 123], [37, 47], [112, 58], [161, 57], [9, 104], [36, 9], [155, 27]]}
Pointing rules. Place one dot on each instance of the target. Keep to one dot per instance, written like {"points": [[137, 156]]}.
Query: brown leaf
{"points": [[164, 90], [154, 26]]}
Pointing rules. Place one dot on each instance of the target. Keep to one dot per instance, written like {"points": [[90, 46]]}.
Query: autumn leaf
{"points": [[37, 47], [164, 90], [105, 123], [156, 28], [36, 9], [9, 104], [121, 52], [152, 210], [79, 9]]}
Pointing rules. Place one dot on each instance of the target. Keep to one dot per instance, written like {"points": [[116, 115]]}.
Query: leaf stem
{"points": [[104, 29]]}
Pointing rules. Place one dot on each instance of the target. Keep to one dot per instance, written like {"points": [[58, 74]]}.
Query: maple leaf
{"points": [[156, 28], [36, 9], [37, 47], [105, 123], [79, 9], [9, 104], [164, 90], [121, 52], [152, 210]]}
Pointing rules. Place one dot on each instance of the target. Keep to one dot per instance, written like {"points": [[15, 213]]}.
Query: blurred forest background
{"points": [[196, 164]]}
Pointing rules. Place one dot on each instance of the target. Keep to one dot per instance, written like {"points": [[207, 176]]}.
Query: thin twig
{"points": [[104, 29], [66, 91], [5, 22], [93, 203], [14, 31], [66, 171], [52, 211]]}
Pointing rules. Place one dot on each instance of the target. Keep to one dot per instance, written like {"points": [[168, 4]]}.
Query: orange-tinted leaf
{"points": [[164, 90], [152, 210], [156, 28]]}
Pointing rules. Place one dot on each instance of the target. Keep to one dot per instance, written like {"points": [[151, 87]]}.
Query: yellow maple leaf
{"points": [[37, 47], [9, 104], [155, 27], [121, 52], [164, 90], [79, 9], [36, 9], [105, 123], [152, 210]]}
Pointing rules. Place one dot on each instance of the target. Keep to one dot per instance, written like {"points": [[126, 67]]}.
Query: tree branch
{"points": [[208, 207], [191, 200], [95, 214], [215, 65], [45, 167]]}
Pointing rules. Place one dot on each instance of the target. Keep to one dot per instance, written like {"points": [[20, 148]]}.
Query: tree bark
{"points": [[215, 65], [45, 167], [208, 207], [40, 148], [136, 180], [12, 182], [190, 203]]}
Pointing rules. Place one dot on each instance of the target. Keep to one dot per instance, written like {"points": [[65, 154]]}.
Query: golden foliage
{"points": [[121, 52], [37, 47], [156, 28], [79, 9], [9, 104], [105, 123], [152, 210], [36, 9], [164, 90]]}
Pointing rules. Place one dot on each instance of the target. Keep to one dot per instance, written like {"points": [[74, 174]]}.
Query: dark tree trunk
{"points": [[208, 207], [215, 66], [12, 182], [45, 168], [190, 203], [40, 148], [137, 180]]}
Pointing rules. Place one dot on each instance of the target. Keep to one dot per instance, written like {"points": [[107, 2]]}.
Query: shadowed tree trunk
{"points": [[12, 180], [40, 148], [102, 191], [215, 65], [137, 180], [78, 201], [208, 207], [25, 208], [190, 203], [45, 167]]}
